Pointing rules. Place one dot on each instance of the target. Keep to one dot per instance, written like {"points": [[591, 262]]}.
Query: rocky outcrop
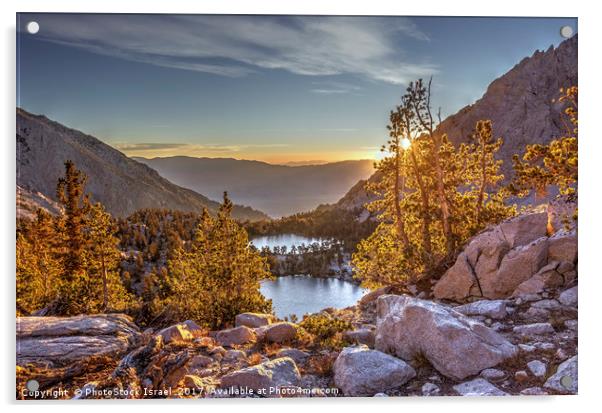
{"points": [[359, 371], [423, 348], [57, 341], [513, 258], [456, 345]]}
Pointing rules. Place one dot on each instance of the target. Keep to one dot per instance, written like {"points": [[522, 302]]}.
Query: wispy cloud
{"points": [[239, 45], [132, 148], [334, 88]]}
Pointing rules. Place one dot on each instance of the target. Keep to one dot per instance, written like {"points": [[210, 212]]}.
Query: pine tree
{"points": [[70, 193], [419, 96], [37, 263], [218, 276], [434, 193], [103, 264], [88, 251]]}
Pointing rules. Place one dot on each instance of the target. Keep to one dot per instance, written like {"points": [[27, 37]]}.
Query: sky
{"points": [[272, 88]]}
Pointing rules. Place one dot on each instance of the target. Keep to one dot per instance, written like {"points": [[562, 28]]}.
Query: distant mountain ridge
{"points": [[521, 105], [278, 190], [120, 183]]}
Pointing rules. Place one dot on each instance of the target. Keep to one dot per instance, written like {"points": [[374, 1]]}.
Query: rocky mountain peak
{"points": [[521, 103]]}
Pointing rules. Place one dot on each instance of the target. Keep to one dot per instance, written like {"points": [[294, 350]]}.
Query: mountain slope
{"points": [[120, 183], [519, 104], [276, 189]]}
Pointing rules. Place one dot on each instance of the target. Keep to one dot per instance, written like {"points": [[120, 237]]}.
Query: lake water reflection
{"points": [[301, 294]]}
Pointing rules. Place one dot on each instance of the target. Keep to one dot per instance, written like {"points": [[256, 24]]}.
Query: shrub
{"points": [[326, 331]]}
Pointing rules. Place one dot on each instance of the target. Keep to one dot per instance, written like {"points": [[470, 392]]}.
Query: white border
{"points": [[590, 199]]}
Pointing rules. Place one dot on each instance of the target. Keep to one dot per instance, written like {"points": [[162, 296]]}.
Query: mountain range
{"points": [[122, 184], [277, 190]]}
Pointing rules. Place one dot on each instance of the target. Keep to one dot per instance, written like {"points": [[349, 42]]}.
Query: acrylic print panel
{"points": [[225, 206]]}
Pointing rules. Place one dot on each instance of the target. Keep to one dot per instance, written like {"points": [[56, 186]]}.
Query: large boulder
{"points": [[569, 297], [547, 277], [373, 295], [517, 266], [235, 336], [565, 380], [253, 320], [524, 229], [359, 371], [563, 246], [57, 341], [455, 345], [277, 333], [266, 378], [360, 336], [186, 331], [494, 262], [478, 387], [297, 355], [459, 282]]}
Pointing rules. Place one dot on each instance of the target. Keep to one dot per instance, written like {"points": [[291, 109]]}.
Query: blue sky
{"points": [[271, 88]]}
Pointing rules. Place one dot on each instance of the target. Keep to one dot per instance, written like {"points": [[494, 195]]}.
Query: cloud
{"points": [[132, 147], [334, 88], [170, 147], [237, 46]]}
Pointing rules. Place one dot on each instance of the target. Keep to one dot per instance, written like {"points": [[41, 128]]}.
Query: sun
{"points": [[380, 155]]}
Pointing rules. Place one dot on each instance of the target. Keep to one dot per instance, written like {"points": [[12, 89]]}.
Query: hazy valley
{"points": [[277, 190]]}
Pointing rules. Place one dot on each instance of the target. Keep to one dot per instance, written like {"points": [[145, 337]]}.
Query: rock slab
{"points": [[359, 371], [63, 340], [253, 320], [266, 377], [478, 387], [565, 380], [235, 336], [454, 344]]}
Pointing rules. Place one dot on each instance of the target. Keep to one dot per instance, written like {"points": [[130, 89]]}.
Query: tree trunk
{"points": [[426, 219], [400, 224], [428, 126], [443, 200], [483, 185]]}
